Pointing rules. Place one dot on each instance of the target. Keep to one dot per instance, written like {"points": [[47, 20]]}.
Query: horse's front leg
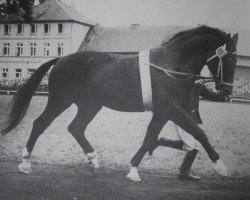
{"points": [[182, 120], [154, 128]]}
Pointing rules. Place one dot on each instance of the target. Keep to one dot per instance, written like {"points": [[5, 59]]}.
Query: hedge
{"points": [[241, 86]]}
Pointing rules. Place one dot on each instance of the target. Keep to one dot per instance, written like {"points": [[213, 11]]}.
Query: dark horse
{"points": [[91, 80]]}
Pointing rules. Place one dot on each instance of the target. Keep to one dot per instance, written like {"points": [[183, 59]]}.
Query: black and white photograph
{"points": [[124, 100]]}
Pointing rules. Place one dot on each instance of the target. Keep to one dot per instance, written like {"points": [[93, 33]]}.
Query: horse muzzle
{"points": [[225, 88]]}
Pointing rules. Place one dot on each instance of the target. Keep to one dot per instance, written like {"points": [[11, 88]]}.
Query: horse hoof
{"points": [[92, 162], [133, 175], [220, 168], [93, 168], [24, 168]]}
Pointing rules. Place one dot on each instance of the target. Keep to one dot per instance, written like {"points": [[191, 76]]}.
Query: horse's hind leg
{"points": [[54, 108], [77, 128]]}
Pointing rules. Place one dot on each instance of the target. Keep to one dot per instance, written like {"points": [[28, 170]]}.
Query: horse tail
{"points": [[21, 100]]}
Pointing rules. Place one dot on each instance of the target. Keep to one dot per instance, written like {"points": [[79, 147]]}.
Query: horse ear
{"points": [[228, 36], [235, 37]]}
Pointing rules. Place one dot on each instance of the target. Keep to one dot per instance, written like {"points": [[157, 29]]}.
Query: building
{"points": [[56, 30], [24, 47], [243, 59], [129, 40]]}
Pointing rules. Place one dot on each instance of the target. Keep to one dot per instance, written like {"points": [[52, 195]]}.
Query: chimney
{"points": [[134, 26]]}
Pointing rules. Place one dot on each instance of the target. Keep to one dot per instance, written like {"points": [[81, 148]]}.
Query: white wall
{"points": [[72, 37], [78, 34], [24, 64]]}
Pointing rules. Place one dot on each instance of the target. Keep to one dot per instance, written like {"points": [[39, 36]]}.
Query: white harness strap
{"points": [[145, 80]]}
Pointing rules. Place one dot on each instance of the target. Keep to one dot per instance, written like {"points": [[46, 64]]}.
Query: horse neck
{"points": [[188, 56]]}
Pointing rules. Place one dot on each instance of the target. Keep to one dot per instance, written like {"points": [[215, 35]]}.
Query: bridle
{"points": [[220, 53]]}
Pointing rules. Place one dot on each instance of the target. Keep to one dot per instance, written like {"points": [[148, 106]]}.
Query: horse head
{"points": [[189, 50], [222, 64]]}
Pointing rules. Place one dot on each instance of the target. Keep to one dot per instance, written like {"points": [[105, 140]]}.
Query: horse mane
{"points": [[195, 31]]}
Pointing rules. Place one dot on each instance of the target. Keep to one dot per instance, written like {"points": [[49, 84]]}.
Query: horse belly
{"points": [[120, 99], [123, 105], [119, 91]]}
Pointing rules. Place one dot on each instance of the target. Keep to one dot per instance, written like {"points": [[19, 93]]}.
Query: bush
{"points": [[241, 86], [15, 84]]}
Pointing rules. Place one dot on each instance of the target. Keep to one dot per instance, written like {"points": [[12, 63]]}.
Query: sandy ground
{"points": [[58, 161]]}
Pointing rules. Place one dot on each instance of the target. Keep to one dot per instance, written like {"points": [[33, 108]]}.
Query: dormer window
{"points": [[20, 28], [46, 28], [6, 29], [33, 28], [59, 28]]}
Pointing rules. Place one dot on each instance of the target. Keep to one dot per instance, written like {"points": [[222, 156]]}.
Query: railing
{"points": [[240, 99], [11, 92]]}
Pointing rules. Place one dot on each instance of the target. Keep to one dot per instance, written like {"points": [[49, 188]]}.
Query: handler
{"points": [[186, 142]]}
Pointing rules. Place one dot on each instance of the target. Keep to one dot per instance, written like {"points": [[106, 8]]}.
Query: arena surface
{"points": [[59, 170]]}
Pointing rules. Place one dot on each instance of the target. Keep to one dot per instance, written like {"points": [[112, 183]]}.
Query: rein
{"points": [[189, 75], [220, 53]]}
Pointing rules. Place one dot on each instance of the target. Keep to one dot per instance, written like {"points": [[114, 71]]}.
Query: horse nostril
{"points": [[218, 87], [227, 91]]}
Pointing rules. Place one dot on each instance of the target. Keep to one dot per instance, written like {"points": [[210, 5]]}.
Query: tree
{"points": [[3, 8], [22, 8], [12, 7], [26, 5]]}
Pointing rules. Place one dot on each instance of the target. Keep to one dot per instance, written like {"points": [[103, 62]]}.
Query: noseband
{"points": [[220, 53]]}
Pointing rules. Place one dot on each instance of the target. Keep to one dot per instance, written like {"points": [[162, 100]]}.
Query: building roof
{"points": [[136, 38], [11, 18], [128, 39], [51, 10]]}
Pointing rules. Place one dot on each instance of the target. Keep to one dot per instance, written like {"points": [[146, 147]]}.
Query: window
{"points": [[46, 49], [33, 49], [59, 28], [5, 73], [18, 73], [30, 72], [19, 49], [6, 49], [20, 28], [33, 28], [6, 29], [46, 28], [60, 49]]}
